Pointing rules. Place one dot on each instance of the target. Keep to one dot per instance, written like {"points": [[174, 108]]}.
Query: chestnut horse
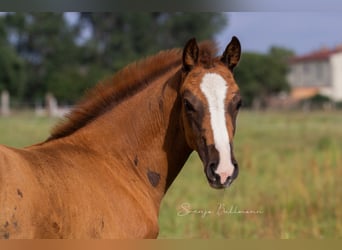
{"points": [[105, 169]]}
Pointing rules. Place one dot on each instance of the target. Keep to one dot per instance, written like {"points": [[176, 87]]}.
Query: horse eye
{"points": [[188, 106]]}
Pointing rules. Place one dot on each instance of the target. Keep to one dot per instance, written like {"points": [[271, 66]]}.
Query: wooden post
{"points": [[51, 105], [5, 103]]}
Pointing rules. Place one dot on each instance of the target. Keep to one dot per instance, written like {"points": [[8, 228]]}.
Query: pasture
{"points": [[289, 184]]}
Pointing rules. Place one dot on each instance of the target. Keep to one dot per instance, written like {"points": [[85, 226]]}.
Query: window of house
{"points": [[306, 68]]}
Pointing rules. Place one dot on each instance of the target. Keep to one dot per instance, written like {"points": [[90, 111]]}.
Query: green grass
{"points": [[290, 169], [290, 172], [24, 128]]}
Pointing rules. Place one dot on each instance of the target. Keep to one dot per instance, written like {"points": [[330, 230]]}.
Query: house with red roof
{"points": [[319, 72]]}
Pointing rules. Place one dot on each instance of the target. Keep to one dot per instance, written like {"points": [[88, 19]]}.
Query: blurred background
{"points": [[289, 137]]}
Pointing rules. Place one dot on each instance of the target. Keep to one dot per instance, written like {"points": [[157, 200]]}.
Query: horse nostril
{"points": [[210, 170], [213, 166], [235, 164], [236, 169]]}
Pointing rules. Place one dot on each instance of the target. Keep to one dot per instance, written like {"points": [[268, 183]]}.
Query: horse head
{"points": [[210, 104]]}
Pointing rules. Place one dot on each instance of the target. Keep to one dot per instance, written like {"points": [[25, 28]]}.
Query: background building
{"points": [[319, 72]]}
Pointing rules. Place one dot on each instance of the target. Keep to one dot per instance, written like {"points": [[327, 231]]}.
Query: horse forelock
{"points": [[207, 54], [125, 83]]}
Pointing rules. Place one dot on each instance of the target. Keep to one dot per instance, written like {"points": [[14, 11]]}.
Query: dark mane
{"points": [[125, 83]]}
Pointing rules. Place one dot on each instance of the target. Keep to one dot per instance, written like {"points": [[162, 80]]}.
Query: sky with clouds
{"points": [[302, 32]]}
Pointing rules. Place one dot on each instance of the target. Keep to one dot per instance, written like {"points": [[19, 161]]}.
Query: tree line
{"points": [[65, 54], [68, 53], [263, 75]]}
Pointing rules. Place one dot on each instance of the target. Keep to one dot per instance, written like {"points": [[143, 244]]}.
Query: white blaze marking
{"points": [[214, 88]]}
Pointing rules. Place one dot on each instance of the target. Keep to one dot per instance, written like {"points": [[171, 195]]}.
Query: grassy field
{"points": [[24, 129], [289, 184]]}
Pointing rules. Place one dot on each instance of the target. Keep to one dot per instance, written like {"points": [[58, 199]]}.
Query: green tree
{"points": [[262, 75], [46, 44], [58, 57], [119, 38], [12, 67]]}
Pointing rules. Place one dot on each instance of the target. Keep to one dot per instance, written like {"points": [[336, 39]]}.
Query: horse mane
{"points": [[125, 83]]}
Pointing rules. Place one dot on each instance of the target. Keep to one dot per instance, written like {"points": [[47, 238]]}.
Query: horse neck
{"points": [[142, 135]]}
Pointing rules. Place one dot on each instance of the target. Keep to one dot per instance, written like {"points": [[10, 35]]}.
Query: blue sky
{"points": [[300, 31], [286, 5]]}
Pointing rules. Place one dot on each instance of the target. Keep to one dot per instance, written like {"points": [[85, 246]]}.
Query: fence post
{"points": [[51, 105], [5, 103]]}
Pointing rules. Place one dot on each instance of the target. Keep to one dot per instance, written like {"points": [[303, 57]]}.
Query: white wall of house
{"points": [[336, 76], [326, 75], [310, 74]]}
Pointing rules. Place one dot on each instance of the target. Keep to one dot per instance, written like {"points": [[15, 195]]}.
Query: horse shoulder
{"points": [[17, 191]]}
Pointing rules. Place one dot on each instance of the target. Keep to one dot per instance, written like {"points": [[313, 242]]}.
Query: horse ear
{"points": [[190, 54], [231, 55]]}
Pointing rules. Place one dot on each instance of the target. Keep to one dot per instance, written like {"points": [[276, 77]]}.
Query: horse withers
{"points": [[104, 170]]}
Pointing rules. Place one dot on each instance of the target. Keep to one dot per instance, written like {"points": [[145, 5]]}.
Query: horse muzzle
{"points": [[215, 180]]}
